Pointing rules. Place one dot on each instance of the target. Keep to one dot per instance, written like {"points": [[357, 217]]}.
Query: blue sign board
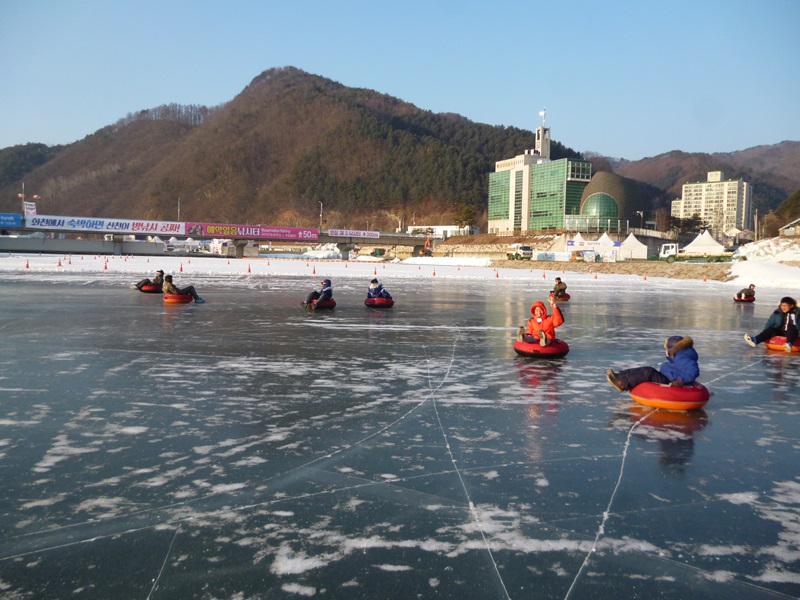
{"points": [[10, 220]]}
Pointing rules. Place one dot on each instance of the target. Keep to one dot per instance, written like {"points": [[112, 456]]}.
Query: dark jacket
{"points": [[326, 293], [376, 290], [782, 320], [681, 360]]}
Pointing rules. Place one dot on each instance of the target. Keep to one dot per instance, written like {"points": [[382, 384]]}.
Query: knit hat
{"points": [[374, 281]]}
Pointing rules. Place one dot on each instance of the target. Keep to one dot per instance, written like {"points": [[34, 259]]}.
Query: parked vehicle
{"points": [[519, 252], [672, 252]]}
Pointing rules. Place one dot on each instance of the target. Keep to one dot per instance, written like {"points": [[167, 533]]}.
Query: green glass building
{"points": [[532, 193]]}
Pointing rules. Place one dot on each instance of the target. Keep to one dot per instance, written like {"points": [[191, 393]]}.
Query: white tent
{"points": [[578, 241], [605, 240], [632, 248], [704, 244]]}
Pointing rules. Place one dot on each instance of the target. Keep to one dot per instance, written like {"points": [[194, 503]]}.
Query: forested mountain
{"points": [[287, 142], [290, 141]]}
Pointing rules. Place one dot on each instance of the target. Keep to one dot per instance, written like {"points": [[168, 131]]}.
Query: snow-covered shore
{"points": [[765, 267]]}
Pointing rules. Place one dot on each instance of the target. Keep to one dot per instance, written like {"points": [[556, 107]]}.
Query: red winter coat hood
{"points": [[541, 305]]}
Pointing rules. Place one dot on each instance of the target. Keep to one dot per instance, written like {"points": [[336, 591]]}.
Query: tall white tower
{"points": [[542, 147]]}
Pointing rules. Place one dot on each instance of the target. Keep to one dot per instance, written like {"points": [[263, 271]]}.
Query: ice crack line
{"points": [[471, 505], [172, 505], [607, 513]]}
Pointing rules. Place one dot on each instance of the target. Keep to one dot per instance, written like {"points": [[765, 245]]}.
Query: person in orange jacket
{"points": [[541, 327]]}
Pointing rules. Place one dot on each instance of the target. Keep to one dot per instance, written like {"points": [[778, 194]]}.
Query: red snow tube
{"points": [[657, 395], [777, 342], [563, 298], [330, 303], [555, 349], [379, 302], [150, 289], [177, 298], [746, 299]]}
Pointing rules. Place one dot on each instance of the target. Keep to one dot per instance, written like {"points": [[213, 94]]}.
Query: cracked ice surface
{"points": [[244, 448]]}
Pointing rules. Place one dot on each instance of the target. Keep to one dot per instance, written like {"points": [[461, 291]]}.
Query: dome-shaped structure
{"points": [[600, 205], [611, 196]]}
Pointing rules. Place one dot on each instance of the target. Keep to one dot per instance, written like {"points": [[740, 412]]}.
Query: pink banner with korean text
{"points": [[265, 232], [102, 225]]}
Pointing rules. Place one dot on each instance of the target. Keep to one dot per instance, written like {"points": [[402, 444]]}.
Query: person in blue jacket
{"points": [[326, 293], [376, 290], [781, 322], [681, 367]]}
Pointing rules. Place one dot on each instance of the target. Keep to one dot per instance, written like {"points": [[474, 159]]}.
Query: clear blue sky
{"points": [[627, 79]]}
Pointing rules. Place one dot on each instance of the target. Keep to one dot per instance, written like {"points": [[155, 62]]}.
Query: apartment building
{"points": [[723, 204]]}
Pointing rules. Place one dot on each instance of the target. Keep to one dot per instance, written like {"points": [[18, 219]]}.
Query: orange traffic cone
{"points": [[59, 262], [248, 267], [644, 278], [543, 275], [313, 270], [374, 271], [27, 265], [181, 269], [595, 275], [496, 274]]}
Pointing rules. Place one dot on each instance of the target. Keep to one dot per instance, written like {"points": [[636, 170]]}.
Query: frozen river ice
{"points": [[246, 449]]}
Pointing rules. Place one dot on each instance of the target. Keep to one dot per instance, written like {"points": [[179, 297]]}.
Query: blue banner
{"points": [[10, 220]]}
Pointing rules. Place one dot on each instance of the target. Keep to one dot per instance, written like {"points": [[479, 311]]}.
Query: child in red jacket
{"points": [[541, 327]]}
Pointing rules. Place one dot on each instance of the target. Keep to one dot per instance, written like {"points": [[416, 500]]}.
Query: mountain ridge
{"points": [[291, 140]]}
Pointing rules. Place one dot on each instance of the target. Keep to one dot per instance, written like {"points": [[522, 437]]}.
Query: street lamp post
{"points": [[641, 218], [320, 216], [23, 197]]}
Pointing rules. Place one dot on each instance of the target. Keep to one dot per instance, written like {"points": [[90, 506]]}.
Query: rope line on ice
{"points": [[607, 512], [470, 504], [163, 564], [760, 360], [193, 501]]}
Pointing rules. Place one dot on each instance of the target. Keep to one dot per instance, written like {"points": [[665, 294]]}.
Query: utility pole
{"points": [[320, 216], [756, 227]]}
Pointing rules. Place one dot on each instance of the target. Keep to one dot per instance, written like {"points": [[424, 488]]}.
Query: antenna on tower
{"points": [[543, 114]]}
